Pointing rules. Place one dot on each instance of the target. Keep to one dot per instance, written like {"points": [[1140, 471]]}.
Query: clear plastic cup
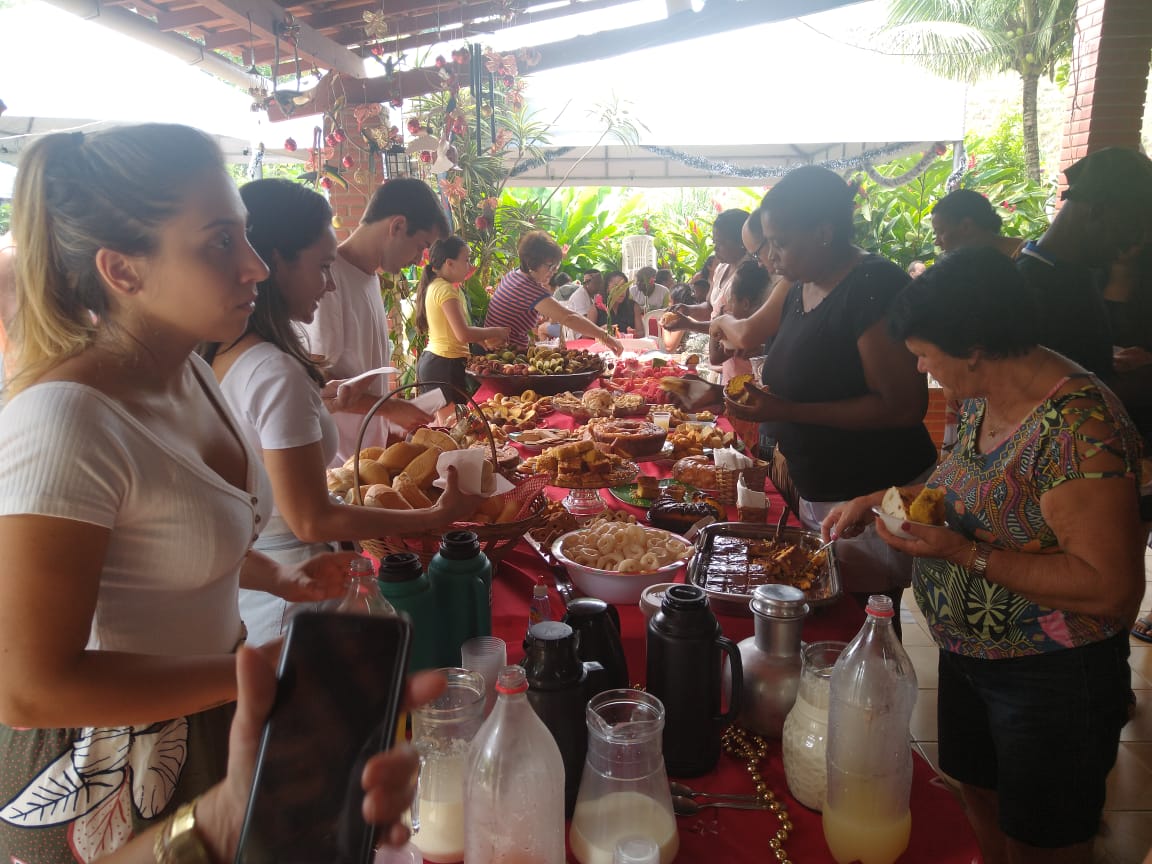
{"points": [[662, 419], [486, 655]]}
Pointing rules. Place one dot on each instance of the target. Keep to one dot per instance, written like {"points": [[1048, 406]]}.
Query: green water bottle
{"points": [[461, 577], [404, 585]]}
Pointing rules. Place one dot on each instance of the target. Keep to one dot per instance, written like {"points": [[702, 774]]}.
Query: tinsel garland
{"points": [[930, 156], [532, 164], [760, 172], [763, 172]]}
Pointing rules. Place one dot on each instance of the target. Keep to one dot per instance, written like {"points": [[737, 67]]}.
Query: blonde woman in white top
{"points": [[128, 499]]}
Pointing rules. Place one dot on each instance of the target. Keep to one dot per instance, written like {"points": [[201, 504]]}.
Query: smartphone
{"points": [[338, 694]]}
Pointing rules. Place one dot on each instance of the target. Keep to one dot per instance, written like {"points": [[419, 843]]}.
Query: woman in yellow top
{"points": [[440, 314]]}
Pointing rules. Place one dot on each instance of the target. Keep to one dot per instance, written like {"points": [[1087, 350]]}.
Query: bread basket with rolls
{"points": [[703, 473], [402, 474]]}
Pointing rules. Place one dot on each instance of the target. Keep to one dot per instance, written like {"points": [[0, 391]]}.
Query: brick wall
{"points": [[1110, 58], [348, 205]]}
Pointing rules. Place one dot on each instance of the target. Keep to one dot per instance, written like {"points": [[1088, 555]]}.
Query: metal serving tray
{"points": [[721, 566]]}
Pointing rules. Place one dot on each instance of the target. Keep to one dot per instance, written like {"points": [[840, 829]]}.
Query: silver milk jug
{"points": [[771, 659]]}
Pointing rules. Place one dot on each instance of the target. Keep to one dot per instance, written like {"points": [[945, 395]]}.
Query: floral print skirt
{"points": [[74, 795]]}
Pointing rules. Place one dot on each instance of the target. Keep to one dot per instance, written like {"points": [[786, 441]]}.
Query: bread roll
{"points": [[372, 453], [340, 480], [372, 472], [386, 497], [350, 496], [411, 492], [487, 477], [511, 508], [397, 456], [893, 503], [426, 437], [422, 469]]}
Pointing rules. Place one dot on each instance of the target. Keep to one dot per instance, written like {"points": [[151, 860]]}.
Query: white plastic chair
{"points": [[652, 323], [637, 251]]}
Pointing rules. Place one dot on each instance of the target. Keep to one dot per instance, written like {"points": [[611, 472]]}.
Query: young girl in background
{"points": [[440, 314]]}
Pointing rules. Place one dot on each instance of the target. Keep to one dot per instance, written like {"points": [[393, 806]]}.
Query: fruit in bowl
{"points": [[616, 562]]}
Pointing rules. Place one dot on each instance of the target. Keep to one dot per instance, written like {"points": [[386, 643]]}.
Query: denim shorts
{"points": [[1041, 731]]}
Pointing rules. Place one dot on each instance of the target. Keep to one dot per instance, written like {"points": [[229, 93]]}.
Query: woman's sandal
{"points": [[1142, 629]]}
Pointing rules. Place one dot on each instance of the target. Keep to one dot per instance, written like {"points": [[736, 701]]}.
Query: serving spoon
{"points": [[682, 806], [685, 791]]}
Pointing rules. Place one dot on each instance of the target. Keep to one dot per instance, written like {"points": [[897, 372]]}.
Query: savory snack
{"points": [[926, 508], [679, 516], [625, 548], [739, 389], [634, 438], [698, 471], [578, 463], [668, 319], [691, 439], [647, 486]]}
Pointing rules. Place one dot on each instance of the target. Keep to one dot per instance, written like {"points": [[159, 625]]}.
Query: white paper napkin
{"points": [[729, 458], [749, 498], [429, 403], [470, 472], [382, 370]]}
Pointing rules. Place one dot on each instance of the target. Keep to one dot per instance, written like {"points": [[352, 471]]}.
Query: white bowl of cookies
{"points": [[617, 561]]}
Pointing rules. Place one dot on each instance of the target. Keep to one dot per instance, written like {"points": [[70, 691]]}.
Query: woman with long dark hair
{"points": [[273, 386]]}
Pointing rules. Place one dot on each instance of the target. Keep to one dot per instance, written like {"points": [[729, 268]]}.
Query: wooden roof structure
{"points": [[237, 39]]}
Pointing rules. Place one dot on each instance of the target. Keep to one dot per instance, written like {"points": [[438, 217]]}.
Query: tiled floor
{"points": [[1126, 835]]}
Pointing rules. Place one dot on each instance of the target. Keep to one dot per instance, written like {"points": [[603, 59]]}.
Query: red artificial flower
{"points": [[290, 145]]}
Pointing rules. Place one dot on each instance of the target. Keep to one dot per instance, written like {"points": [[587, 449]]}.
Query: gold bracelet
{"points": [[971, 555], [178, 841]]}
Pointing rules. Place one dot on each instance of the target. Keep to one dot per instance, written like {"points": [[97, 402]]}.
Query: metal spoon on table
{"points": [[685, 791], [687, 807]]}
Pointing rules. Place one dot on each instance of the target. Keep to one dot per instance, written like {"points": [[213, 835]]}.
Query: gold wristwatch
{"points": [[179, 842], [979, 565]]}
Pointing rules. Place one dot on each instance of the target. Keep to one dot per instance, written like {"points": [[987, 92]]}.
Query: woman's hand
{"points": [[680, 322], [850, 518], [613, 344], [1127, 359], [761, 406], [404, 414], [318, 578], [455, 505], [929, 541], [388, 779]]}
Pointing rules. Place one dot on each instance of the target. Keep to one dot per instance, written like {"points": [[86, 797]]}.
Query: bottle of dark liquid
{"points": [[685, 651]]}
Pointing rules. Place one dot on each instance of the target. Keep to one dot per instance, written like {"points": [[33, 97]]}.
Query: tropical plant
{"points": [[896, 222], [971, 39], [5, 216]]}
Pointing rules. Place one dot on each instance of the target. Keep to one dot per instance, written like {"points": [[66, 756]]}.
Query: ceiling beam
{"points": [[715, 18], [193, 16], [264, 16]]}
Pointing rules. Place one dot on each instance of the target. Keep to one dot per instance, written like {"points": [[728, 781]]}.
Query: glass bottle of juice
{"points": [[872, 693]]}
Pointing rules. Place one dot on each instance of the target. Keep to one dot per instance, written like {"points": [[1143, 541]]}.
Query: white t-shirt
{"points": [[580, 303], [658, 299], [179, 532], [277, 407], [721, 288], [351, 331]]}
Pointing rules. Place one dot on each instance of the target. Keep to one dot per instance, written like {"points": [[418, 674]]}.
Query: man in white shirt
{"points": [[648, 295], [350, 328]]}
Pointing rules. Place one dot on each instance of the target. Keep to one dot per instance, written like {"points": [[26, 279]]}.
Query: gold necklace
{"points": [[752, 749]]}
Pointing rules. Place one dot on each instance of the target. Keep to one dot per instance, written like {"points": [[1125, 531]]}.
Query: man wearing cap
{"points": [[1107, 208]]}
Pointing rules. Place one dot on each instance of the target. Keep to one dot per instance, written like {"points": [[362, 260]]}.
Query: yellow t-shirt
{"points": [[441, 340]]}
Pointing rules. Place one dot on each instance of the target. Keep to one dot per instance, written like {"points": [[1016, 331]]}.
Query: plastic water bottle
{"points": [[514, 787], [541, 608], [362, 595], [873, 691]]}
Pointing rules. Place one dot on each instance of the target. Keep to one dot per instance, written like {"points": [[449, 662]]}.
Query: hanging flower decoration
{"points": [[375, 25], [454, 189], [529, 57], [364, 113]]}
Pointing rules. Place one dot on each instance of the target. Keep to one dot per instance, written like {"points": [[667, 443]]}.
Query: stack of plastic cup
{"points": [[486, 655]]}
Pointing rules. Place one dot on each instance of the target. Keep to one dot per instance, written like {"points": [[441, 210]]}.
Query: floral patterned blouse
{"points": [[1079, 431]]}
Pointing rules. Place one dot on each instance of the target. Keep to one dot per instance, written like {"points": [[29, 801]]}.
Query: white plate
{"points": [[893, 523]]}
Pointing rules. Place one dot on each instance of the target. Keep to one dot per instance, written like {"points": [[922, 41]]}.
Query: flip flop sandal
{"points": [[1144, 635]]}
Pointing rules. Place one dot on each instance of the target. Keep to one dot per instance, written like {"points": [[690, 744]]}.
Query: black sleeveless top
{"points": [[814, 358]]}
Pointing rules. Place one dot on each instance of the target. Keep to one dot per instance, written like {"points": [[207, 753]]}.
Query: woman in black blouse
{"points": [[846, 401]]}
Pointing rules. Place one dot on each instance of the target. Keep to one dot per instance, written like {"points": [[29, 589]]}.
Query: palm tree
{"points": [[970, 39]]}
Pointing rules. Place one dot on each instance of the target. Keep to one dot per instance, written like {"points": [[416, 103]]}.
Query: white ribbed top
{"points": [[179, 531]]}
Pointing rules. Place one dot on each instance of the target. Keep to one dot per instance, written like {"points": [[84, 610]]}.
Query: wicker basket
{"points": [[495, 539], [727, 478]]}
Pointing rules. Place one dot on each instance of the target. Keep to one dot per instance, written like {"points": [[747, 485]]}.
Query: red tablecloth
{"points": [[940, 831]]}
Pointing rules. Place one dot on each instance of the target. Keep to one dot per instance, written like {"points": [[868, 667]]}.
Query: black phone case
{"points": [[338, 694]]}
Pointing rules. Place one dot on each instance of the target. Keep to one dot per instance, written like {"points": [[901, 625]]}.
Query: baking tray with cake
{"points": [[733, 558]]}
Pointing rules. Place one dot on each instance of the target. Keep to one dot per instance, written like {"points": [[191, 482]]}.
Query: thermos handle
{"points": [[736, 697], [614, 614]]}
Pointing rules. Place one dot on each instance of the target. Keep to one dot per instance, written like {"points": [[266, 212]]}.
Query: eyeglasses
{"points": [[755, 256]]}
